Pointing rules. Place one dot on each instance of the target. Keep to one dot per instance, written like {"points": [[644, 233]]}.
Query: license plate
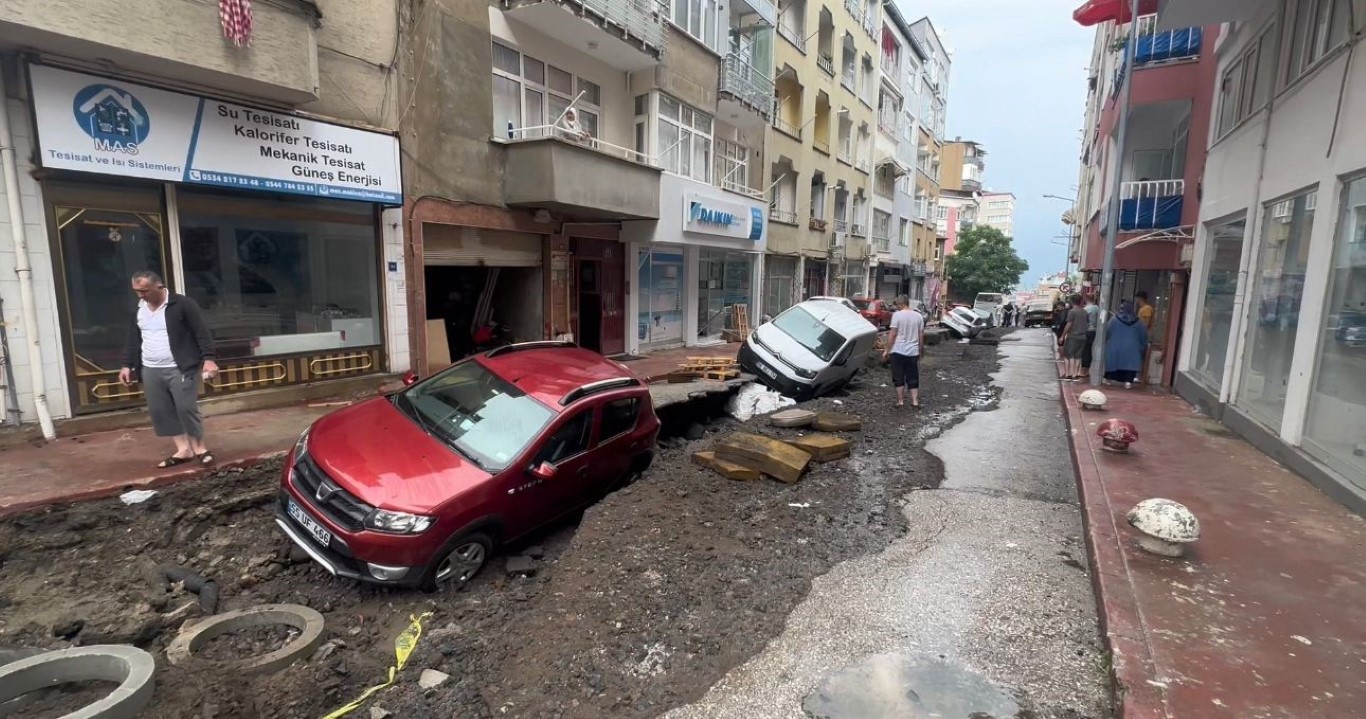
{"points": [[319, 532], [767, 370]]}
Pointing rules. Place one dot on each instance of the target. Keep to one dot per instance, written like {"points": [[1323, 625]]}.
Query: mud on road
{"points": [[641, 606]]}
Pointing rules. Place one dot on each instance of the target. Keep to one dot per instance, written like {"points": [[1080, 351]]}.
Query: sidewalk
{"points": [[654, 366], [1264, 617]]}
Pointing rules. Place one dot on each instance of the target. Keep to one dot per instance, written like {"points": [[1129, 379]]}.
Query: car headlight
{"points": [[301, 446], [398, 522], [804, 373]]}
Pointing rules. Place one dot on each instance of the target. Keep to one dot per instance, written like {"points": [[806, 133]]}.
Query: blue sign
{"points": [[706, 216], [756, 224], [113, 117]]}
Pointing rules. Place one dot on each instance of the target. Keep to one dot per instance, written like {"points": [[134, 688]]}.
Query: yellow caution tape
{"points": [[404, 645]]}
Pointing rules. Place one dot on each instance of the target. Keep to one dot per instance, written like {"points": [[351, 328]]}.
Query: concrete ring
{"points": [[131, 667], [193, 637]]}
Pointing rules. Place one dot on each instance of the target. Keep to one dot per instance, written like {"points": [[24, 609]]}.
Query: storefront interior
{"points": [[463, 299]]}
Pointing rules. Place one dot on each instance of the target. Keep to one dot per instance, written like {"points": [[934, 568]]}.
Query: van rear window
{"points": [[808, 331]]}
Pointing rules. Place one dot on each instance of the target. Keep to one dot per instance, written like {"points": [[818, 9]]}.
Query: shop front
{"points": [[698, 268], [271, 222]]}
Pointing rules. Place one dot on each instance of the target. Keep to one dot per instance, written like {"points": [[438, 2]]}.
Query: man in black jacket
{"points": [[169, 349]]}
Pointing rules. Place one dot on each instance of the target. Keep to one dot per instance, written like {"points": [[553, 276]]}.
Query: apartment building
{"points": [[1273, 330], [998, 211], [933, 82], [962, 168], [820, 149], [258, 175], [894, 160], [1173, 78]]}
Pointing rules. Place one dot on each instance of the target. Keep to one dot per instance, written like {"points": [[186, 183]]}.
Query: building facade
{"points": [[894, 161], [1273, 330], [243, 174], [997, 209], [1173, 76], [960, 193], [932, 78]]}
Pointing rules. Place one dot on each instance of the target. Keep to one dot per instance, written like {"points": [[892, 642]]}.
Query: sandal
{"points": [[172, 461], [205, 457]]}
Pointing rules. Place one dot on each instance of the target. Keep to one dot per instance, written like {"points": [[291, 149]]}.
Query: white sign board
{"points": [[92, 124], [710, 215]]}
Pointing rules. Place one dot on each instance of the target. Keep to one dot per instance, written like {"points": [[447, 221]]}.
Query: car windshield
{"points": [[808, 331], [483, 416], [862, 304]]}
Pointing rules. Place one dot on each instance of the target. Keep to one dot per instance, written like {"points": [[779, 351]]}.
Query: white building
{"points": [[998, 210], [1275, 324]]}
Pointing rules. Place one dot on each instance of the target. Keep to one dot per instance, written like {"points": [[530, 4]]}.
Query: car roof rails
{"points": [[520, 346], [593, 388]]}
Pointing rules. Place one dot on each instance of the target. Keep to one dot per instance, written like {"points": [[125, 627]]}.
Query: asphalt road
{"points": [[983, 606]]}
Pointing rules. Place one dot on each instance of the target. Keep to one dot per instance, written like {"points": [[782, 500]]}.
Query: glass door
{"points": [[100, 248], [660, 304]]}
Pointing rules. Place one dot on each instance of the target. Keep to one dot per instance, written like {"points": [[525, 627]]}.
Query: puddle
{"points": [[898, 686]]}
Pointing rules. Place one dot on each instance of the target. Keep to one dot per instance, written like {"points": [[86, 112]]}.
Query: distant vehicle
{"points": [[963, 322], [879, 312], [990, 303], [1039, 313], [842, 300], [1351, 328], [812, 348], [418, 488]]}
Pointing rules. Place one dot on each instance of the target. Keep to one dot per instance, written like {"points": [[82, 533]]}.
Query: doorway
{"points": [[461, 300], [723, 281], [589, 273]]}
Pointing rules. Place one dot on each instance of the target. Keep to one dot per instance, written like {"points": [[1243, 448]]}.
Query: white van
{"points": [[990, 303], [813, 348]]}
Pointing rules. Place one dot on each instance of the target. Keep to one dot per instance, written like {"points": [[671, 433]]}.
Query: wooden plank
{"points": [[775, 458], [725, 468], [836, 422], [680, 377], [822, 447], [792, 418]]}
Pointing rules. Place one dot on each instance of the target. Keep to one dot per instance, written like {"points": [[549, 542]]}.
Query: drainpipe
{"points": [[27, 301], [1112, 222]]}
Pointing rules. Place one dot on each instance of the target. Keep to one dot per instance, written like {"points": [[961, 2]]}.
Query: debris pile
{"points": [[718, 368], [746, 456]]}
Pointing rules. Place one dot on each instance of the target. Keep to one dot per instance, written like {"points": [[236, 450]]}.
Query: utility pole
{"points": [[1107, 273]]}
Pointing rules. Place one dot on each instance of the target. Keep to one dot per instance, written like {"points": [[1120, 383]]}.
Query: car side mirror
{"points": [[409, 379], [544, 470]]}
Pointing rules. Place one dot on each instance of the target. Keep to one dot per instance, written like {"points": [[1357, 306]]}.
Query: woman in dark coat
{"points": [[1126, 343]]}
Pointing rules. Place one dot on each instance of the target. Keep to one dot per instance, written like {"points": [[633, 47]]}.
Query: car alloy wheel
{"points": [[469, 555]]}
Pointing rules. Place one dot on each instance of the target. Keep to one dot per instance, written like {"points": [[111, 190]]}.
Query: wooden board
{"points": [[822, 447], [438, 353], [835, 422], [721, 374], [775, 458], [725, 468], [792, 418]]}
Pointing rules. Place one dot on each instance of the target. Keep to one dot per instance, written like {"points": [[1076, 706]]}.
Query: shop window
{"points": [[1216, 305], [1274, 313], [1337, 403], [529, 95], [780, 277], [280, 276], [660, 313]]}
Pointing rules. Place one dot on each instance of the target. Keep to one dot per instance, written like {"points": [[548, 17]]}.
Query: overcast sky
{"points": [[1018, 86]]}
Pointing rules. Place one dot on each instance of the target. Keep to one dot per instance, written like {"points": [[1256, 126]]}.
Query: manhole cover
{"points": [[897, 686]]}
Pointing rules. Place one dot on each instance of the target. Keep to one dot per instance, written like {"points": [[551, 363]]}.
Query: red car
{"points": [[879, 312], [417, 488]]}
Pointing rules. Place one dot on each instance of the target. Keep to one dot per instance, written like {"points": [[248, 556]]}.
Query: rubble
{"points": [[773, 457], [522, 566], [431, 679], [822, 447], [836, 422], [725, 468]]}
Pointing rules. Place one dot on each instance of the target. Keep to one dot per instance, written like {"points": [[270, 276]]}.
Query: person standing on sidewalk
{"points": [[904, 341], [1144, 310], [1092, 325], [1073, 340], [169, 349], [1126, 341]]}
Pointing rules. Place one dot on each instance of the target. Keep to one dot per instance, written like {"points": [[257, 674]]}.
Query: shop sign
{"points": [[94, 124], [712, 216]]}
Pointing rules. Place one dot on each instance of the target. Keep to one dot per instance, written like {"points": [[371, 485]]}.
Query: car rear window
{"points": [[808, 331], [862, 304], [482, 415], [619, 416]]}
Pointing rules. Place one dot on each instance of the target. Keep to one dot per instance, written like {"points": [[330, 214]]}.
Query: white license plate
{"points": [[767, 370], [319, 532]]}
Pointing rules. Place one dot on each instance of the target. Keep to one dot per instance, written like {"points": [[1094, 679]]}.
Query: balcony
{"points": [[767, 10], [787, 128], [841, 226], [744, 83], [786, 217], [628, 34], [821, 146], [826, 62], [847, 78], [972, 185], [855, 11], [793, 35], [1152, 205], [151, 37], [976, 161], [1180, 44], [589, 179], [882, 244], [818, 224]]}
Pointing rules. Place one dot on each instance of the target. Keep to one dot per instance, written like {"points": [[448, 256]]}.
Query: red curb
{"points": [[1137, 692], [160, 480]]}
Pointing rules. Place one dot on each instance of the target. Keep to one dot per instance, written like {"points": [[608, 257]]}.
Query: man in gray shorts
{"points": [[169, 349], [1073, 341]]}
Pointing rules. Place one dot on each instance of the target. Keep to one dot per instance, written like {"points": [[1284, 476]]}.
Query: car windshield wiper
{"points": [[434, 431], [417, 415]]}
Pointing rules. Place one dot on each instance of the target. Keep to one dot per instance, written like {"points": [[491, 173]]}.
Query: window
{"points": [[904, 233], [1246, 82], [732, 167], [1274, 311], [1337, 402], [942, 213], [618, 417], [697, 18], [569, 440], [1318, 27], [684, 141], [882, 225], [807, 331], [528, 93], [478, 412]]}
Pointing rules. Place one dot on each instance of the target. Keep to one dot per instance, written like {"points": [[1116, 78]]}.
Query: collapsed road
{"points": [[639, 608]]}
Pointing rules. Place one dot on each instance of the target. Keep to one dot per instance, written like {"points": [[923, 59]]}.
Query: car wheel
{"points": [[459, 561]]}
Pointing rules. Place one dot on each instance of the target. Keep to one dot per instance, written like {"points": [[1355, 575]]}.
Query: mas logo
{"points": [[112, 117]]}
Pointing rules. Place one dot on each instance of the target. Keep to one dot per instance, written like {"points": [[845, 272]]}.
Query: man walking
{"points": [[1073, 341], [169, 349], [1092, 324], [904, 341]]}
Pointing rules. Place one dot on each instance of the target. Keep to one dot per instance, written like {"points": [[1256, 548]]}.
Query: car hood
{"points": [[781, 345], [380, 455]]}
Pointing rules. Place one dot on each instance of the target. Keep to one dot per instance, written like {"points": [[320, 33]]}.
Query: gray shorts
{"points": [[1074, 346], [173, 401]]}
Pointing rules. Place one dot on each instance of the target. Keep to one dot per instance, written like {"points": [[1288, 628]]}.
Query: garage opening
{"points": [[484, 289]]}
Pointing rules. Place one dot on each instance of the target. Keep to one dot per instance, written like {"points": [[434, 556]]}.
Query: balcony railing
{"points": [[882, 244], [639, 23], [541, 132], [821, 145], [826, 62], [841, 225], [854, 10], [858, 229], [794, 35], [786, 127], [863, 166], [845, 156], [1180, 44], [747, 84], [1151, 205], [787, 217], [972, 185]]}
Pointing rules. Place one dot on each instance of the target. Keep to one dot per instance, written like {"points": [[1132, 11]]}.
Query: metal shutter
{"points": [[456, 246]]}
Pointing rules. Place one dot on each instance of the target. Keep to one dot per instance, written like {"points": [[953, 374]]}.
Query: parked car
{"points": [[842, 300], [810, 349], [990, 303], [419, 487], [964, 322], [1039, 313], [879, 312]]}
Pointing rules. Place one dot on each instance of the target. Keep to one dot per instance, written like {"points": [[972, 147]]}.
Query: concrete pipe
{"points": [[130, 667], [193, 637]]}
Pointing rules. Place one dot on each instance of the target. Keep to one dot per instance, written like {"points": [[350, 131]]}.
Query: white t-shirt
{"points": [[908, 324], [156, 343]]}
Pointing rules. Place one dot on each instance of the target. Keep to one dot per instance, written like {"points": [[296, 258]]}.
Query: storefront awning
{"points": [[1095, 12]]}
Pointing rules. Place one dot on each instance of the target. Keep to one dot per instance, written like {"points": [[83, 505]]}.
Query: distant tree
{"points": [[983, 261]]}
